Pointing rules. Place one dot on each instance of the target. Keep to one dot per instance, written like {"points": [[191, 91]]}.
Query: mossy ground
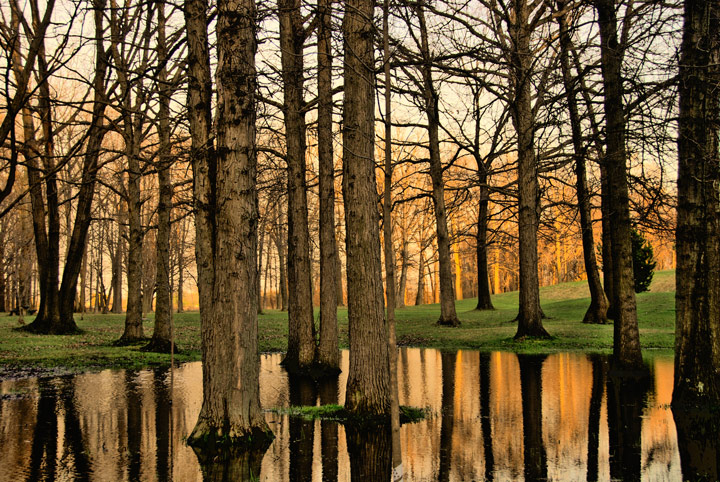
{"points": [[564, 304]]}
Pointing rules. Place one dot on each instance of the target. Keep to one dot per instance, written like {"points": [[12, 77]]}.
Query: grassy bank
{"points": [[564, 304]]}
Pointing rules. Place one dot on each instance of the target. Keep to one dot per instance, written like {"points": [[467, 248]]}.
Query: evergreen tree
{"points": [[643, 261]]}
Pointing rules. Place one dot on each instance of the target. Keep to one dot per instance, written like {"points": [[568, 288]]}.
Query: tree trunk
{"points": [[368, 388], [328, 352], [447, 421], [225, 193], [402, 285], [3, 235], [484, 300], [597, 311], [301, 350], [117, 267], [626, 341], [162, 334], [420, 295], [530, 314], [448, 316], [697, 298], [133, 316]]}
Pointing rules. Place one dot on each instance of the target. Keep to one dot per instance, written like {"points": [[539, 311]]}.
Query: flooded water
{"points": [[495, 416]]}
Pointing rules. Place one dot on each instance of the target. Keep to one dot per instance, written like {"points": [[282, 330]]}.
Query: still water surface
{"points": [[495, 416]]}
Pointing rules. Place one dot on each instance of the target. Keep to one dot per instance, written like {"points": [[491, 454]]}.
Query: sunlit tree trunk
{"points": [[697, 296], [225, 198], [420, 294], [368, 388], [626, 341]]}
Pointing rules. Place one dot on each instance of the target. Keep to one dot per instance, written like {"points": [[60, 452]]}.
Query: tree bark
{"points": [[117, 266], [301, 350], [404, 263], [484, 299], [225, 197], [368, 389], [448, 316], [530, 314], [420, 295], [328, 352], [697, 296], [626, 340], [161, 340], [597, 311]]}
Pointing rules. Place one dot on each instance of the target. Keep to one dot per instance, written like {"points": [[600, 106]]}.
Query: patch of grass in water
{"points": [[337, 413]]}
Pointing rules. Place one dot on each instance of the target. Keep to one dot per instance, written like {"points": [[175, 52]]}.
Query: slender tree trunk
{"points": [[484, 300], [3, 235], [225, 193], [181, 271], [117, 266], [390, 295], [530, 314], [448, 316], [161, 339], [368, 388], [597, 311], [402, 285], [420, 295], [626, 345], [328, 352], [697, 296]]}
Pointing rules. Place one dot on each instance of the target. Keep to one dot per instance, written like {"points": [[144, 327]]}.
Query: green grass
{"points": [[337, 413], [564, 304]]}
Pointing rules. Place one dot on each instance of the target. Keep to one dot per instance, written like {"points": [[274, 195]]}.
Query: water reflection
{"points": [[492, 416]]}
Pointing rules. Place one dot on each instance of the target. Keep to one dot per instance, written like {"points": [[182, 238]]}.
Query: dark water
{"points": [[495, 416]]}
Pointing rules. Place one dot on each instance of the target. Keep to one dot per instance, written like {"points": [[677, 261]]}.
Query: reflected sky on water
{"points": [[496, 416]]}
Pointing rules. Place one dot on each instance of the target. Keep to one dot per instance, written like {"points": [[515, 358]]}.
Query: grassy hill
{"points": [[564, 304]]}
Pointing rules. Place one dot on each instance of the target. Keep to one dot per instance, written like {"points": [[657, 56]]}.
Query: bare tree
{"points": [[226, 206]]}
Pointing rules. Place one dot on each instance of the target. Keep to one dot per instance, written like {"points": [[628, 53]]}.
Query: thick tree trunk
{"points": [[161, 340], [225, 193], [597, 311], [484, 299], [328, 352], [697, 299], [368, 388], [301, 350], [626, 341], [530, 314], [448, 316]]}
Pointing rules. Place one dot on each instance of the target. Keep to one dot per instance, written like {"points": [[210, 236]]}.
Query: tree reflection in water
{"points": [[370, 450], [534, 448], [328, 392], [626, 396], [577, 423], [232, 466], [698, 434], [302, 432]]}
